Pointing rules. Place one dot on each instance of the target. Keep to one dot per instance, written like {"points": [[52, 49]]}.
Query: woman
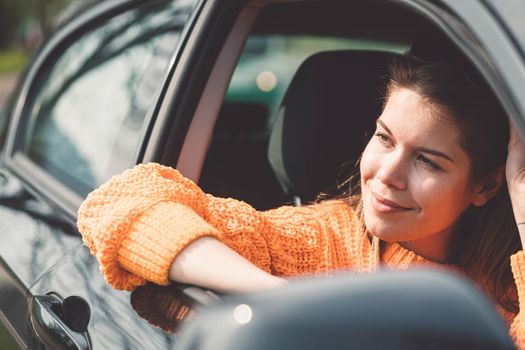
{"points": [[432, 191]]}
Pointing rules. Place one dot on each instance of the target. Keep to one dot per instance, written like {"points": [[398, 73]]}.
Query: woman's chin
{"points": [[386, 231], [390, 228], [387, 236]]}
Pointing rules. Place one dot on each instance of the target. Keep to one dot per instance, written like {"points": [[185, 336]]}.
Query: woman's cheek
{"points": [[433, 194], [370, 160]]}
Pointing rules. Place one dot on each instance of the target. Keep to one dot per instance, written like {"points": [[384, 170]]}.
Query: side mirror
{"points": [[418, 309]]}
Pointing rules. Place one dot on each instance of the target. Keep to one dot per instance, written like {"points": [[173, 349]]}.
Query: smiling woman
{"points": [[423, 173], [438, 186], [398, 159], [432, 192]]}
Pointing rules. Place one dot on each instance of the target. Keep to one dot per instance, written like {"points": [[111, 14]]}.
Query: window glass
{"points": [[87, 116]]}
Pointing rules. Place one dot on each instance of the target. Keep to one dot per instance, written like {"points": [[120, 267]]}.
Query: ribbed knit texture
{"points": [[162, 306], [139, 221]]}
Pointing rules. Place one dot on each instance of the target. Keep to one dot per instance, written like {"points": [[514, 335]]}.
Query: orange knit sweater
{"points": [[139, 221]]}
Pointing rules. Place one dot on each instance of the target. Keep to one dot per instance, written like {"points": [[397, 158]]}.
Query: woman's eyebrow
{"points": [[435, 153], [380, 122], [420, 149]]}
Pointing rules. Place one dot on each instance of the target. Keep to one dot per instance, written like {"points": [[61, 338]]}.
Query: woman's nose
{"points": [[393, 171]]}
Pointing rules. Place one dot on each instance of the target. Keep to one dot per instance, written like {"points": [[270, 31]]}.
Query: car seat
{"points": [[330, 105], [236, 164]]}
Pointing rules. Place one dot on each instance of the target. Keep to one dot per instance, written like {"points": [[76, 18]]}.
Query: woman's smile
{"points": [[386, 206]]}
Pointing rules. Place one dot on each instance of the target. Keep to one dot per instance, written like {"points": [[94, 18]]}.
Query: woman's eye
{"points": [[384, 139], [428, 162]]}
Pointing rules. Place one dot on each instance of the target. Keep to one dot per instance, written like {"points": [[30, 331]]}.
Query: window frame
{"points": [[483, 37], [218, 23], [186, 142], [38, 181]]}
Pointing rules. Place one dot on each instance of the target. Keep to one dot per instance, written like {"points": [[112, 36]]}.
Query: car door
{"points": [[489, 34], [79, 118]]}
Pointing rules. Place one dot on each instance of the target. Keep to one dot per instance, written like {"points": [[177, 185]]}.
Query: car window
{"points": [[236, 164], [84, 123]]}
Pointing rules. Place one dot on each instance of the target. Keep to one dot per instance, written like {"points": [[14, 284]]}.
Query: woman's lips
{"points": [[384, 205]]}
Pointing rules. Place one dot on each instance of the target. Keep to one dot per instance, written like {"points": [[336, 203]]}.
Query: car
{"points": [[203, 86]]}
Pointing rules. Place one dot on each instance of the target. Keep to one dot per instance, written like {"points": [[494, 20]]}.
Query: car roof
{"points": [[340, 18]]}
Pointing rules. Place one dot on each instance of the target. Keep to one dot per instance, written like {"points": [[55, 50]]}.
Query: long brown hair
{"points": [[487, 235]]}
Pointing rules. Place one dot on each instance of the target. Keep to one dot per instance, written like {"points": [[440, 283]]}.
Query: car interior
{"points": [[312, 140]]}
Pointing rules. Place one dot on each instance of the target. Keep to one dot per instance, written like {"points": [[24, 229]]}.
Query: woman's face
{"points": [[415, 176]]}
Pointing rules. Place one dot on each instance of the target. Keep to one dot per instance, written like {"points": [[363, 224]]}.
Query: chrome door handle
{"points": [[61, 323]]}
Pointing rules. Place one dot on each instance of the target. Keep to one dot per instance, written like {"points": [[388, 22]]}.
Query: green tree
{"points": [[15, 14], [12, 13]]}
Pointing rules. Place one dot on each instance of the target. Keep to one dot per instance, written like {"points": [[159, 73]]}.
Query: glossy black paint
{"points": [[30, 244], [78, 275], [58, 261]]}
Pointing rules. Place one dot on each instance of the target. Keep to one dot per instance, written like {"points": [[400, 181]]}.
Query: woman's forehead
{"points": [[411, 118]]}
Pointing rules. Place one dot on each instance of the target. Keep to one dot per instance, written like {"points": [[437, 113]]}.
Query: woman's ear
{"points": [[488, 186]]}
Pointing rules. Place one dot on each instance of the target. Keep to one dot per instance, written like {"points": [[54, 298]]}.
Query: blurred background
{"points": [[23, 26]]}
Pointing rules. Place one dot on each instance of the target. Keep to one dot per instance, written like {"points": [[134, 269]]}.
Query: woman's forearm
{"points": [[211, 264]]}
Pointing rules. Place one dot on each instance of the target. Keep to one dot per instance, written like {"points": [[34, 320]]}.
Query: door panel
{"points": [[32, 240], [113, 324], [77, 121]]}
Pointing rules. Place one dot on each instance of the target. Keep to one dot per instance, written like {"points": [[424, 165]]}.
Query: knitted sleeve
{"points": [[287, 241], [139, 221], [517, 328]]}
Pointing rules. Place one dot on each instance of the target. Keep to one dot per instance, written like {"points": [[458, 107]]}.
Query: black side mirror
{"points": [[419, 309]]}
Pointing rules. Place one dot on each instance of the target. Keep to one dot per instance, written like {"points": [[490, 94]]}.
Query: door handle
{"points": [[61, 323]]}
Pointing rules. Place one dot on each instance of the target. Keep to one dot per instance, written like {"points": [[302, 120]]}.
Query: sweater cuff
{"points": [[157, 237], [517, 263]]}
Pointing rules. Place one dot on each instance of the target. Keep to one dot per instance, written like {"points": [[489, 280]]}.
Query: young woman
{"points": [[435, 180]]}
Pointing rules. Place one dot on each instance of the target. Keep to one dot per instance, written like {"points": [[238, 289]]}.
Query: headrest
{"points": [[332, 101]]}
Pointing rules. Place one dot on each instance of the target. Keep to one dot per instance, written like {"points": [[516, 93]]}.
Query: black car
{"points": [[132, 81]]}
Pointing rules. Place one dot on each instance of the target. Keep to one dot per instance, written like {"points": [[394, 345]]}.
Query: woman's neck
{"points": [[434, 248]]}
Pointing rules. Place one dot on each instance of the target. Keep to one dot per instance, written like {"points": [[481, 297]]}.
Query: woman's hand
{"points": [[515, 173], [515, 168]]}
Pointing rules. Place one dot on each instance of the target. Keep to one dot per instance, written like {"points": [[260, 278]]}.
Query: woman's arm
{"points": [[515, 173], [140, 221], [517, 328], [209, 263]]}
